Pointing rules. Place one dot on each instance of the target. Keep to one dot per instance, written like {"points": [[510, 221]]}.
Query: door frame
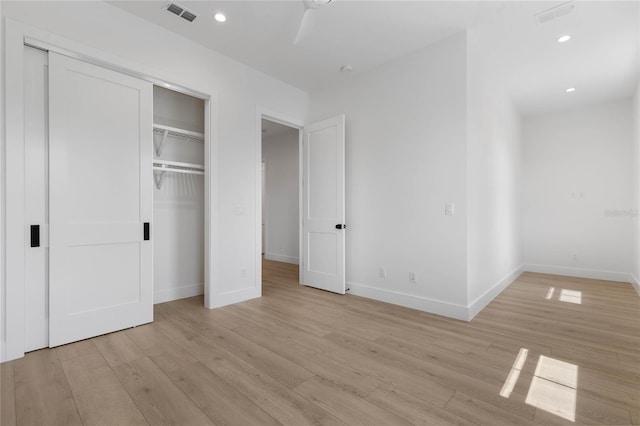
{"points": [[276, 117], [17, 35]]}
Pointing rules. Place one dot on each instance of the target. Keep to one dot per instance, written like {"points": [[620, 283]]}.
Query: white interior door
{"points": [[323, 222], [100, 181], [36, 209]]}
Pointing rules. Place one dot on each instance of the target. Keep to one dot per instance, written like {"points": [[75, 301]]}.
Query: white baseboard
{"points": [[175, 293], [434, 306], [578, 272], [635, 282], [281, 258], [481, 302], [425, 304], [235, 296]]}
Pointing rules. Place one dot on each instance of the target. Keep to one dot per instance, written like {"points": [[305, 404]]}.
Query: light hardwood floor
{"points": [[302, 356]]}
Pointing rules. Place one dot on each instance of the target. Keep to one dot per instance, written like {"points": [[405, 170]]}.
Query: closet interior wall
{"points": [[178, 201]]}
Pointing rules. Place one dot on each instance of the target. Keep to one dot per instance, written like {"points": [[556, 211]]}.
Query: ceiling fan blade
{"points": [[306, 24]]}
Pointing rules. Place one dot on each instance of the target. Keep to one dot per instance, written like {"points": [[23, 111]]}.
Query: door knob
{"points": [[341, 226]]}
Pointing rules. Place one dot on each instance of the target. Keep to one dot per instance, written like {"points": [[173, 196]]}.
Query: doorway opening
{"points": [[280, 200], [178, 195]]}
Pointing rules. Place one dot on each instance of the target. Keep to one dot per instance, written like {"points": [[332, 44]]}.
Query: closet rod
{"points": [[163, 166]]}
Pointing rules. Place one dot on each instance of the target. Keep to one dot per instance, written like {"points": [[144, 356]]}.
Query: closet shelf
{"points": [[163, 166], [165, 131]]}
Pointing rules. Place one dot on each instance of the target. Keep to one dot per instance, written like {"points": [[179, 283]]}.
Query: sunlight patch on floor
{"points": [[514, 374], [571, 296], [553, 387], [550, 293]]}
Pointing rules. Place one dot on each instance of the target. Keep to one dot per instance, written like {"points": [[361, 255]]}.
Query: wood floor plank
{"points": [[100, 397], [196, 345], [483, 413], [442, 357], [339, 373], [156, 396], [73, 350], [352, 409], [423, 378], [220, 401], [277, 366], [165, 353], [7, 395], [117, 348], [601, 412], [301, 356], [43, 395], [412, 409], [283, 404]]}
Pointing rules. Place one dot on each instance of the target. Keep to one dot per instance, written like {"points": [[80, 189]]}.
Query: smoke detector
{"points": [[180, 11], [554, 12]]}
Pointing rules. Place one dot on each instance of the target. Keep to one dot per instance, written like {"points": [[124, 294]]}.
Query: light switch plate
{"points": [[449, 209]]}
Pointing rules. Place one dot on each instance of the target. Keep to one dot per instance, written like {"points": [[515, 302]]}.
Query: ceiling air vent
{"points": [[554, 12], [180, 11]]}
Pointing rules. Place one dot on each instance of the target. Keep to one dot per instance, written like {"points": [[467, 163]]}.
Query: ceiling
{"points": [[601, 60], [363, 34]]}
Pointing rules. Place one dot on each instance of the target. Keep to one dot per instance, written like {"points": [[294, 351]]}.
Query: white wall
{"points": [[2, 196], [178, 206], [635, 267], [494, 179], [97, 27], [178, 110], [280, 154], [405, 158], [578, 168]]}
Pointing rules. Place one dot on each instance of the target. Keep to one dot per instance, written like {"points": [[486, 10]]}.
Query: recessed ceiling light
{"points": [[564, 38], [571, 89], [219, 17], [346, 68]]}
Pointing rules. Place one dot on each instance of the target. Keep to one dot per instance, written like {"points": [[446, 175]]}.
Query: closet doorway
{"points": [[178, 195], [115, 207], [280, 192]]}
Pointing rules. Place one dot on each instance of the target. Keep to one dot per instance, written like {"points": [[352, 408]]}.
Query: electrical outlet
{"points": [[382, 272], [574, 257], [243, 273], [412, 277]]}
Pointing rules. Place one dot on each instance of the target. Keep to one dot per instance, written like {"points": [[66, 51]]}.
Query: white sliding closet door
{"points": [[36, 171], [100, 171]]}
